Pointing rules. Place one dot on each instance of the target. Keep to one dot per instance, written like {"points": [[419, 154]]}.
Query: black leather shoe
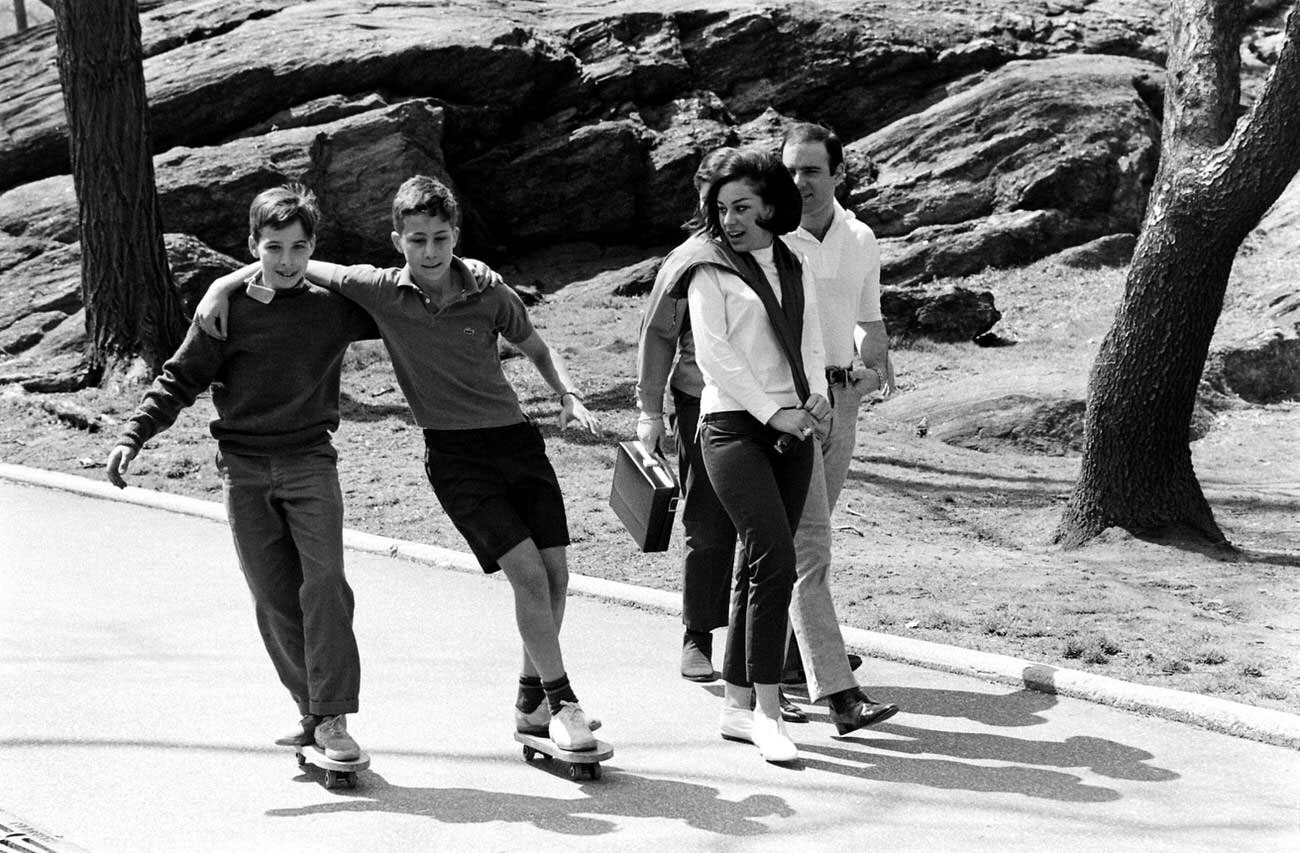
{"points": [[791, 712], [852, 710], [855, 661]]}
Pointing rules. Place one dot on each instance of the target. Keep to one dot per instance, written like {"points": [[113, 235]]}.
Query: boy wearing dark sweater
{"points": [[275, 386]]}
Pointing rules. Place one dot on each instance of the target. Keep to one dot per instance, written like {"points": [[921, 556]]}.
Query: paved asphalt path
{"points": [[137, 710]]}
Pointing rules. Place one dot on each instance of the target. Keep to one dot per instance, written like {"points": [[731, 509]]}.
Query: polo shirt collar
{"points": [[469, 284]]}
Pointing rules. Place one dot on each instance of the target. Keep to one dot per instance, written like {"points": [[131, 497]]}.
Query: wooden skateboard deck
{"points": [[579, 763], [337, 773]]}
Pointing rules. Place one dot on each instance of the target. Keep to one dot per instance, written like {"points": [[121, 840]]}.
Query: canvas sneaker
{"points": [[333, 739], [736, 724], [570, 729], [772, 740], [536, 721]]}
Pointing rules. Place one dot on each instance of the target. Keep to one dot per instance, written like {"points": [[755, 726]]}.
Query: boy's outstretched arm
{"points": [[211, 313], [552, 369], [118, 461]]}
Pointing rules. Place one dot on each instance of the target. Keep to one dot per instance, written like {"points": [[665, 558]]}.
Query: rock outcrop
{"points": [[982, 133]]}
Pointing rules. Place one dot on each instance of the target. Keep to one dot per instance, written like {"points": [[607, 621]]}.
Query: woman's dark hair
{"points": [[770, 180]]}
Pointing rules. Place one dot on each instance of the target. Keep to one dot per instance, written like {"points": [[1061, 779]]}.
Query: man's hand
{"points": [[118, 461], [650, 431]]}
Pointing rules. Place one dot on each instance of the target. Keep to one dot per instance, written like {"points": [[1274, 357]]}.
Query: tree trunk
{"points": [[1213, 185], [132, 312], [20, 16]]}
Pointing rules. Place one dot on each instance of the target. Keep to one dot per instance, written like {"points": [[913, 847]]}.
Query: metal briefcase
{"points": [[644, 495]]}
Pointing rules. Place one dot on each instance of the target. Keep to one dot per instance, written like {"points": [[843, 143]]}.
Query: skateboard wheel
{"points": [[332, 779], [302, 760], [573, 772], [594, 772], [529, 753], [351, 779]]}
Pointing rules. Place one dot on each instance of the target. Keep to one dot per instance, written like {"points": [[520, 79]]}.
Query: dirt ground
{"points": [[932, 541]]}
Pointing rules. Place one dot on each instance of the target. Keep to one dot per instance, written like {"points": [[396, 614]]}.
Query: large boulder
{"points": [[353, 164], [1029, 159]]}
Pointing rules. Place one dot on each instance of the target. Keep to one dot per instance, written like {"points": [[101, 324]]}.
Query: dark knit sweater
{"points": [[275, 380]]}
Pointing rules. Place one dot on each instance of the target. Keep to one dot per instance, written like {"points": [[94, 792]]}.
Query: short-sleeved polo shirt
{"points": [[446, 359]]}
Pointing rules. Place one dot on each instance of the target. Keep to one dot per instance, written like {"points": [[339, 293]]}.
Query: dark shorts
{"points": [[498, 487]]}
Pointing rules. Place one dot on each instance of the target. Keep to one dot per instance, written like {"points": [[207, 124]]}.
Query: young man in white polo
{"points": [[844, 257]]}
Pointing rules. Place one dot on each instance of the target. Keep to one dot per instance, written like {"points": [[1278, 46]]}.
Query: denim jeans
{"points": [[763, 493], [286, 517], [709, 547]]}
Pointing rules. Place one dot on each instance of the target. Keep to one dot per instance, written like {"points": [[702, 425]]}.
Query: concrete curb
{"points": [[1220, 715]]}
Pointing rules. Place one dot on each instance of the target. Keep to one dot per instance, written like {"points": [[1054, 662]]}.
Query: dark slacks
{"points": [[710, 544], [763, 492]]}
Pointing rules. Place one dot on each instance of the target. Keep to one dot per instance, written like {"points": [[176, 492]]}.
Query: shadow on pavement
{"points": [[617, 795]]}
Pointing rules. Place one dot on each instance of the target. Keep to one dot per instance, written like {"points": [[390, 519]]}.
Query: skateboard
{"points": [[337, 773], [585, 762]]}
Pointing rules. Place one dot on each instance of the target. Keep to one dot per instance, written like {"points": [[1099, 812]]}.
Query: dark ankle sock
{"points": [[558, 691], [531, 693]]}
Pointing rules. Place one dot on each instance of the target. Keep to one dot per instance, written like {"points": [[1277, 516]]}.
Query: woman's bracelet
{"points": [[574, 394], [649, 418]]}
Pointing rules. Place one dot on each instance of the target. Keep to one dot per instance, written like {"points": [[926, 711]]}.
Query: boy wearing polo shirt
{"points": [[275, 386], [485, 459]]}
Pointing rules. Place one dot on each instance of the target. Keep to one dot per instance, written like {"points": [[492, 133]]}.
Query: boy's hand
{"points": [[573, 411], [486, 276], [212, 313], [118, 461]]}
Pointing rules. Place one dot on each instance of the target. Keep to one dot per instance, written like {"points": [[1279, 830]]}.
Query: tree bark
{"points": [[20, 16], [133, 316], [1217, 177]]}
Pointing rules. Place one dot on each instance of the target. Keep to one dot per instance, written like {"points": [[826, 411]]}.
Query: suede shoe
{"points": [[536, 721], [333, 739], [697, 651], [772, 740], [570, 729], [304, 735], [852, 710]]}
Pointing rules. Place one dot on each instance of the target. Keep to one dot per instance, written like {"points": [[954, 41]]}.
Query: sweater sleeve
{"points": [[657, 346], [186, 374]]}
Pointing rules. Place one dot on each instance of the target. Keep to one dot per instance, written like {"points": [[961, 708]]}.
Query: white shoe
{"points": [[736, 724], [770, 737], [570, 728], [536, 721]]}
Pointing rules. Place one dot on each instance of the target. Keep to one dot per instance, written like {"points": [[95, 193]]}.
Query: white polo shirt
{"points": [[846, 273], [736, 348]]}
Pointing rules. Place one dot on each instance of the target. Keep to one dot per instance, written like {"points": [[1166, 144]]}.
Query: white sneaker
{"points": [[736, 724], [772, 740], [570, 729], [535, 722]]}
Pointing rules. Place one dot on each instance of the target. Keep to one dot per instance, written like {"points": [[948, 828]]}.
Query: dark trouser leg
{"points": [[710, 542], [763, 492]]}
